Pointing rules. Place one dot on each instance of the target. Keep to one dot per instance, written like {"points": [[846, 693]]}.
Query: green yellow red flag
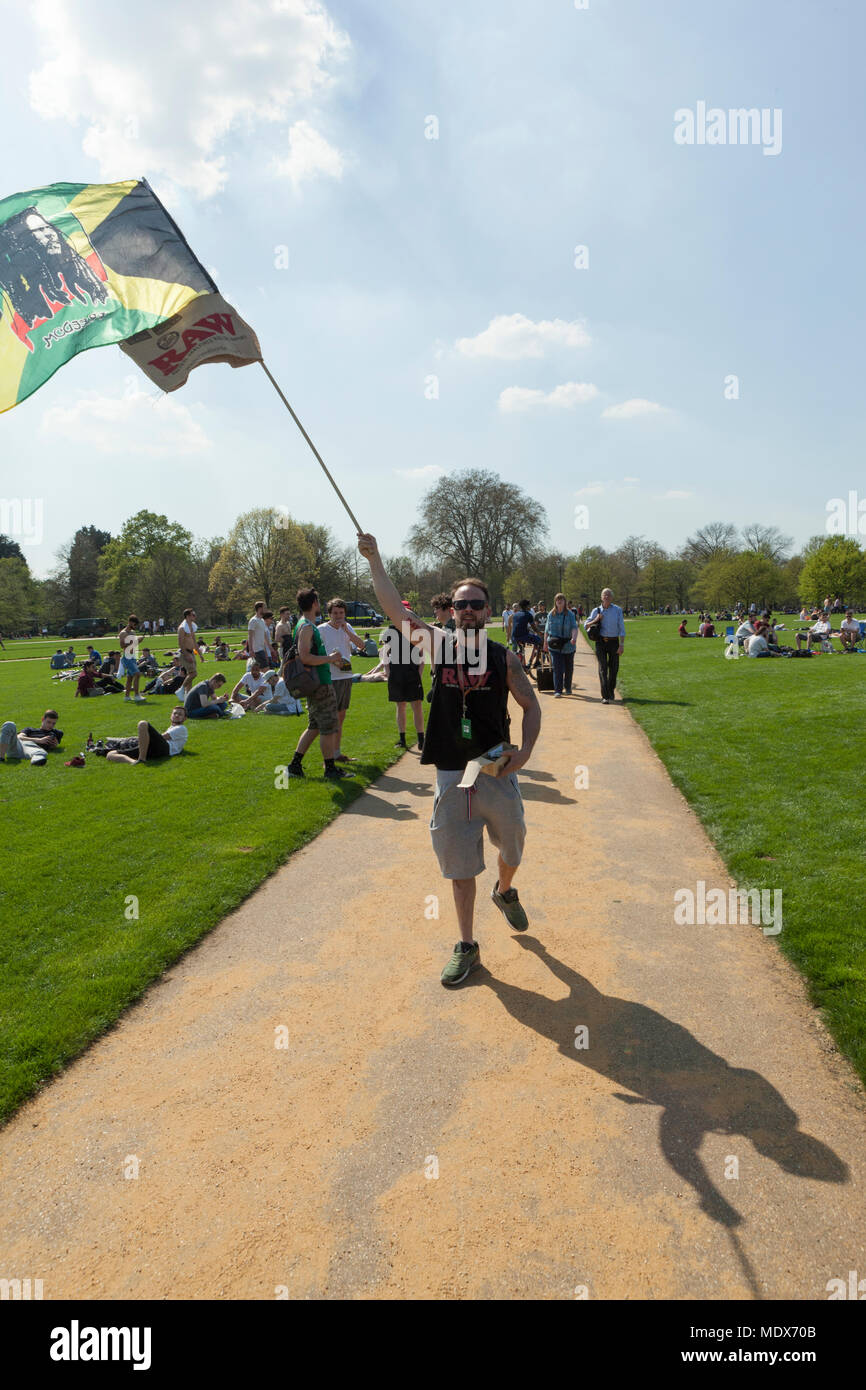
{"points": [[84, 265]]}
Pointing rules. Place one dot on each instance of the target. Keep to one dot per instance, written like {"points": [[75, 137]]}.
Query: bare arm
{"points": [[305, 642], [523, 693], [386, 590]]}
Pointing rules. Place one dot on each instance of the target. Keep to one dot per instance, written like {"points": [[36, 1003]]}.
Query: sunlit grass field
{"points": [[770, 754], [189, 838]]}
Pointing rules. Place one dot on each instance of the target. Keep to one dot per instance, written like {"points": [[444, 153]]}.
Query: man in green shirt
{"points": [[324, 721]]}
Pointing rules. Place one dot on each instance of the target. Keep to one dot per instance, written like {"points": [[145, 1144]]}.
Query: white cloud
{"points": [[591, 490], [309, 155], [184, 78], [512, 336], [631, 410], [431, 470], [564, 397], [674, 495], [630, 482], [138, 422]]}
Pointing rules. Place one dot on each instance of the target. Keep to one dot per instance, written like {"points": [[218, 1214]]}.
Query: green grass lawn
{"points": [[190, 838], [769, 753]]}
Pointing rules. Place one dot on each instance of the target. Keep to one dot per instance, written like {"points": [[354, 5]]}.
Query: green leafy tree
{"points": [[833, 565], [77, 576], [266, 556], [9, 549], [587, 574], [16, 594], [121, 562]]}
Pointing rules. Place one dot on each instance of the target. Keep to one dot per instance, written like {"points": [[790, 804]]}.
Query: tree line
{"points": [[470, 522]]}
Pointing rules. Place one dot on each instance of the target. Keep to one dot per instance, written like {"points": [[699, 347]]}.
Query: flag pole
{"points": [[352, 516]]}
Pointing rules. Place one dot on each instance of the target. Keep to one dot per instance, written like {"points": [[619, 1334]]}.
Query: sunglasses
{"points": [[476, 604]]}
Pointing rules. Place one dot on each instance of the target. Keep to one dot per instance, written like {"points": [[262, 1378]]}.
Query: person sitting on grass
{"points": [[221, 650], [707, 628], [279, 701], [257, 686], [89, 683], [93, 656], [146, 664], [744, 631], [819, 632], [683, 631], [849, 631], [167, 682], [152, 746], [70, 655], [59, 660], [241, 653], [200, 702], [757, 644], [33, 744]]}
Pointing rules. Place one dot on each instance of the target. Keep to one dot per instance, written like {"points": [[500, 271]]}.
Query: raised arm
{"points": [[386, 590]]}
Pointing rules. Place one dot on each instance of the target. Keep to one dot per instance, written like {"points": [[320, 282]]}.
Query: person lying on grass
{"points": [[256, 685], [200, 702], [152, 745], [34, 744]]}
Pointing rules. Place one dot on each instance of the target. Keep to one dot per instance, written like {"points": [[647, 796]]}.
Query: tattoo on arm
{"points": [[518, 682]]}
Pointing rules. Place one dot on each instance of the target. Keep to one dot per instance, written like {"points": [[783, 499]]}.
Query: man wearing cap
{"points": [[468, 719]]}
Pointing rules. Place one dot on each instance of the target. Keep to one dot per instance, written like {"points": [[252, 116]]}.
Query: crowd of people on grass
{"points": [[324, 644], [758, 634], [320, 646]]}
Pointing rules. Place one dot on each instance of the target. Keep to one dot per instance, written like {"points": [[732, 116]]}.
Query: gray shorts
{"points": [[459, 819]]}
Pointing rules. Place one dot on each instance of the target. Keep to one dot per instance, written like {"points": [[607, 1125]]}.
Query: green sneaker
{"points": [[509, 904], [461, 964]]}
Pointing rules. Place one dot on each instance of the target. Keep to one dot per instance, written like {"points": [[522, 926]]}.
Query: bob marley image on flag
{"points": [[41, 272], [85, 265]]}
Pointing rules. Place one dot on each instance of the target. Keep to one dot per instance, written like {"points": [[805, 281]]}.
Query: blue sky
{"points": [[287, 124]]}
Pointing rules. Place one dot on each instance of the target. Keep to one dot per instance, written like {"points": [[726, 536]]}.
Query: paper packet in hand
{"points": [[492, 762]]}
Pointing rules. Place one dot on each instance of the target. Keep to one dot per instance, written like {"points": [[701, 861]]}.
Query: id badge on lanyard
{"points": [[465, 721]]}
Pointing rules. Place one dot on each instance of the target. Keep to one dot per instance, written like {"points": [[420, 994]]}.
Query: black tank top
{"points": [[486, 708]]}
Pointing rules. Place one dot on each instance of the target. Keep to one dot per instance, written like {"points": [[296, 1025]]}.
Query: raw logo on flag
{"points": [[207, 330]]}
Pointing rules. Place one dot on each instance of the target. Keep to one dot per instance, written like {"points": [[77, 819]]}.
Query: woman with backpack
{"points": [[560, 636]]}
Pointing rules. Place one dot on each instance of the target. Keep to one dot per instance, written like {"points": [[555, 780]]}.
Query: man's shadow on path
{"points": [[664, 1065]]}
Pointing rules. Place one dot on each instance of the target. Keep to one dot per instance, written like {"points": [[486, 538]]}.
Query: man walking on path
{"points": [[468, 718], [609, 638], [324, 721]]}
